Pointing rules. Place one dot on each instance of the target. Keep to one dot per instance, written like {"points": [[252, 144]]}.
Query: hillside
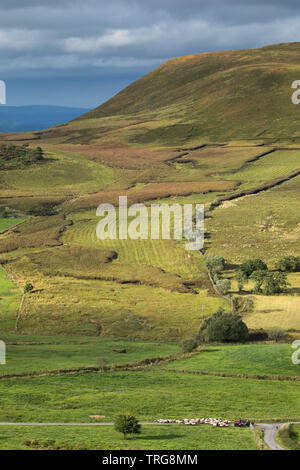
{"points": [[217, 96], [198, 99], [95, 327], [217, 129]]}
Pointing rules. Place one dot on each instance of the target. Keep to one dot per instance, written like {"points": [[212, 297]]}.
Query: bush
{"points": [[223, 327], [248, 267], [258, 335], [258, 277], [28, 287], [288, 264], [243, 304], [4, 212], [241, 278], [223, 286], [214, 203], [274, 283], [189, 344], [127, 424], [276, 334], [13, 156], [215, 263], [44, 210]]}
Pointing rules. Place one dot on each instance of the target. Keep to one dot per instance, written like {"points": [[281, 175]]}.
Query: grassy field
{"points": [[106, 438], [265, 359], [31, 353], [149, 395], [191, 142], [112, 309], [289, 436], [271, 166], [61, 173], [116, 287], [263, 225], [9, 222], [10, 297]]}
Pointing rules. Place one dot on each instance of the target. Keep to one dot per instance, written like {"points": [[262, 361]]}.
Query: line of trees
{"points": [[266, 282], [216, 264]]}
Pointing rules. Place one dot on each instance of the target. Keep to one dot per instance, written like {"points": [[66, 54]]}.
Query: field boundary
{"points": [[139, 365], [287, 378], [259, 189]]}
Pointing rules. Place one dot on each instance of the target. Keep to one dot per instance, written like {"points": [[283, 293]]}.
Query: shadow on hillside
{"points": [[293, 290], [211, 350], [229, 266], [270, 310]]}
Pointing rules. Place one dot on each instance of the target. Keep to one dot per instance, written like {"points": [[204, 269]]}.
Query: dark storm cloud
{"points": [[60, 37]]}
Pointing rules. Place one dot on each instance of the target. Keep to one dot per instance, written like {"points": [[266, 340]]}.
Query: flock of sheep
{"points": [[193, 422]]}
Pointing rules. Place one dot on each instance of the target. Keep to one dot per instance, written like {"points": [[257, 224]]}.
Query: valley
{"points": [[91, 298]]}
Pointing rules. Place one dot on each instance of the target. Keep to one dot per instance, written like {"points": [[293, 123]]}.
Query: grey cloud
{"points": [[70, 34]]}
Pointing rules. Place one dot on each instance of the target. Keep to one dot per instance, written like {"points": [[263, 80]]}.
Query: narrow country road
{"points": [[270, 431]]}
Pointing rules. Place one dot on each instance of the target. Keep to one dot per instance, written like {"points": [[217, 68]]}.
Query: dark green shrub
{"points": [[274, 283], [215, 263], [243, 304], [248, 267], [258, 335], [223, 286], [127, 424], [288, 264], [224, 328], [241, 278], [28, 287], [189, 344]]}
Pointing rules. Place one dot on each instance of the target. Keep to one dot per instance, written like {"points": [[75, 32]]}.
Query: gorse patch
{"points": [[12, 156]]}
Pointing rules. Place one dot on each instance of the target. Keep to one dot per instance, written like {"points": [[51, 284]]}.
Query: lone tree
{"points": [[127, 424], [28, 287], [241, 279], [215, 263], [275, 283], [258, 277], [223, 286]]}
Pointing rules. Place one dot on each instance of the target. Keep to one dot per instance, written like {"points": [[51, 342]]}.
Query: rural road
{"points": [[270, 431]]}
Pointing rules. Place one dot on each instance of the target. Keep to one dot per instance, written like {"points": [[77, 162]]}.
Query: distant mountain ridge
{"points": [[36, 117]]}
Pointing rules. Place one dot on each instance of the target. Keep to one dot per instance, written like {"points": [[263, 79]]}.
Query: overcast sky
{"points": [[80, 53]]}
